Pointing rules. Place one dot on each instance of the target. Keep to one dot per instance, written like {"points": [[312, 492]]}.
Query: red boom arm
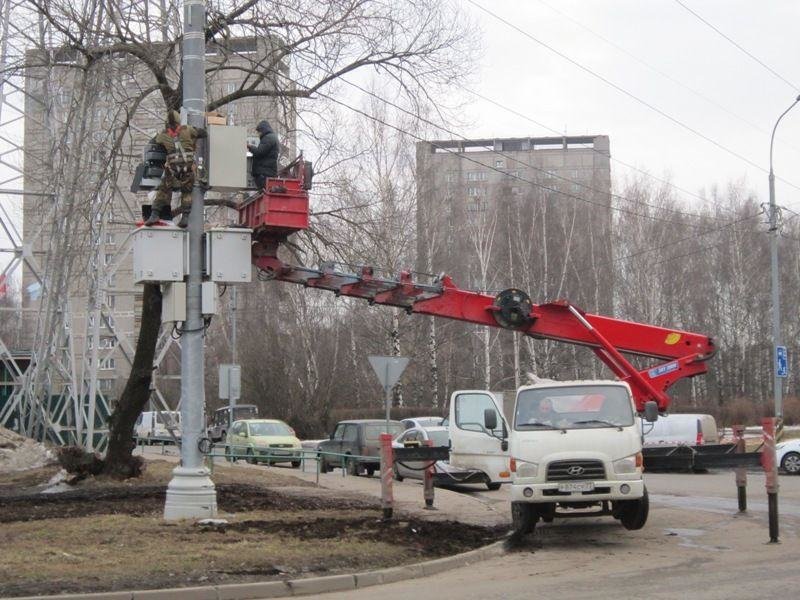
{"points": [[283, 209]]}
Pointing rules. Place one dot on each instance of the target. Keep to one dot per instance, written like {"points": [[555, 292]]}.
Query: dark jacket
{"points": [[265, 155]]}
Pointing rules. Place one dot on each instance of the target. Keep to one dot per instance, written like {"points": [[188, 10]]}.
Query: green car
{"points": [[263, 441]]}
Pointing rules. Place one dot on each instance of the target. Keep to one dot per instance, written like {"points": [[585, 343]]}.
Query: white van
{"points": [[154, 424], [681, 429]]}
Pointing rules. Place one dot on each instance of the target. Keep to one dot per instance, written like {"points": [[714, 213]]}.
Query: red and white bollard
{"points": [[387, 475], [427, 492], [770, 463]]}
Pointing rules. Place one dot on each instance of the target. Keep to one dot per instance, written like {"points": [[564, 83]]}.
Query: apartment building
{"points": [[533, 213]]}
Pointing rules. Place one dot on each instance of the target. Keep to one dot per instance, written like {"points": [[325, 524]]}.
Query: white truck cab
{"points": [[473, 445], [575, 450]]}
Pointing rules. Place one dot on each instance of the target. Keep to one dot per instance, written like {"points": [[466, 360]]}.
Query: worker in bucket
{"points": [[265, 154], [179, 170]]}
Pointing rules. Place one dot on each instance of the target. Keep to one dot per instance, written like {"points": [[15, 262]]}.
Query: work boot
{"points": [[152, 219], [184, 222]]}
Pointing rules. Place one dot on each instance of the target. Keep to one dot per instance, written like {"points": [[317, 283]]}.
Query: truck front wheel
{"points": [[523, 517], [633, 514]]}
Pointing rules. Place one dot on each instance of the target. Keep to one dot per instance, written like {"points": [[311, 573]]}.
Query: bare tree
{"points": [[417, 47]]}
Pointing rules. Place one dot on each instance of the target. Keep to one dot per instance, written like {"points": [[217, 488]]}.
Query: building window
{"points": [[108, 342], [108, 364], [110, 239], [477, 176], [105, 384], [107, 258], [476, 206], [516, 190], [111, 300], [474, 192], [500, 164], [451, 176]]}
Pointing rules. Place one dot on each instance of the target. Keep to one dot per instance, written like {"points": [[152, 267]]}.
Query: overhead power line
{"points": [[623, 91], [791, 84], [661, 73], [522, 162], [465, 156]]}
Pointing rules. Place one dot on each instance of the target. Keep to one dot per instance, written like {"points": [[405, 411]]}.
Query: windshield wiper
{"points": [[526, 425], [601, 421]]}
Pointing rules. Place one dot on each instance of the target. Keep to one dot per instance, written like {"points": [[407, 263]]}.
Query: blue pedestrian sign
{"points": [[781, 361]]}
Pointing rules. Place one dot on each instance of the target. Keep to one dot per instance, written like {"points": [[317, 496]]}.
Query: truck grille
{"points": [[570, 470]]}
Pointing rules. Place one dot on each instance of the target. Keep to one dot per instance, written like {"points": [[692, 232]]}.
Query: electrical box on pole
{"points": [[228, 254], [173, 302], [159, 254], [230, 382], [227, 158]]}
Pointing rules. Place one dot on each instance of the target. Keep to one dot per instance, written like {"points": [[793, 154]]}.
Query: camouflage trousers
{"points": [[175, 175]]}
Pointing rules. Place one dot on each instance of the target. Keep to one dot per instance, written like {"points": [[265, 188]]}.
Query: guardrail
{"points": [[349, 463]]}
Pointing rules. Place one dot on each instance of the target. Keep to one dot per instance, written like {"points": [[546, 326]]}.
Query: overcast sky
{"points": [[705, 83], [736, 102]]}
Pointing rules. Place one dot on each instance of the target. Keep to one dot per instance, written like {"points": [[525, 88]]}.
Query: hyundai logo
{"points": [[575, 470]]}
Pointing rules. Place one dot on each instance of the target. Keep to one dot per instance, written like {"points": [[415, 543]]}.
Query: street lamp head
{"points": [[798, 98]]}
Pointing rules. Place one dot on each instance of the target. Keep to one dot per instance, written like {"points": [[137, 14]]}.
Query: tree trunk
{"points": [[119, 461]]}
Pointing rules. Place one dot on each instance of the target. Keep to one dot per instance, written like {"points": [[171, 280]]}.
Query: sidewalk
{"points": [[449, 505]]}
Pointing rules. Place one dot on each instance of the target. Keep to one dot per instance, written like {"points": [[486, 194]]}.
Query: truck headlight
{"points": [[626, 465], [527, 469]]}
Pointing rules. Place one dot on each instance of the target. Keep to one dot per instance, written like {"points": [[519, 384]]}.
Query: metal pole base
{"points": [[190, 495], [772, 506], [742, 496]]}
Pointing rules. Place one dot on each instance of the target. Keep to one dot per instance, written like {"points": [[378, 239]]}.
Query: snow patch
{"points": [[18, 453]]}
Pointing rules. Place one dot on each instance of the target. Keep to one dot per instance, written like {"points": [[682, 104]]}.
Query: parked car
{"points": [[422, 422], [359, 439], [443, 472], [220, 420], [788, 454], [156, 424], [263, 441], [681, 429]]}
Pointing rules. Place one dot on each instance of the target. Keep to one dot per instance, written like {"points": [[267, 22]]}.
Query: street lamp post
{"points": [[776, 285], [191, 493]]}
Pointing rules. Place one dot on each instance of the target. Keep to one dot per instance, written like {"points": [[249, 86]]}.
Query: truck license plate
{"points": [[576, 486]]}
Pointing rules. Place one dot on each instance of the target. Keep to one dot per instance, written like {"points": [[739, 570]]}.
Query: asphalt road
{"points": [[695, 545]]}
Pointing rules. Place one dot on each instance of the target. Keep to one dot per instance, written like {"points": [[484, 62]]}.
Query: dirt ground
{"points": [[107, 535]]}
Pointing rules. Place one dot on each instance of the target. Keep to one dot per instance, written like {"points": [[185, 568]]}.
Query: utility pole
{"points": [[191, 492], [776, 284], [232, 397]]}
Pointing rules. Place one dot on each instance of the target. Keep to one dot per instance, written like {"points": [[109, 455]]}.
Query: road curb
{"points": [[298, 587]]}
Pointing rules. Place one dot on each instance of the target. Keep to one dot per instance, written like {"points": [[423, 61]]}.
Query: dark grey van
{"points": [[357, 438]]}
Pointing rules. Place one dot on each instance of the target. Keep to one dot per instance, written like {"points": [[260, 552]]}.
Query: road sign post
{"points": [[781, 361], [388, 369]]}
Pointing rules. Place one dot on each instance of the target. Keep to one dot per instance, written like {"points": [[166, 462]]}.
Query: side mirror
{"points": [[650, 411], [490, 419], [330, 437], [245, 434], [504, 445]]}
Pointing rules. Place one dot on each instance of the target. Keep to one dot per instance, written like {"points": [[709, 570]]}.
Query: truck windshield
{"points": [[578, 407]]}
